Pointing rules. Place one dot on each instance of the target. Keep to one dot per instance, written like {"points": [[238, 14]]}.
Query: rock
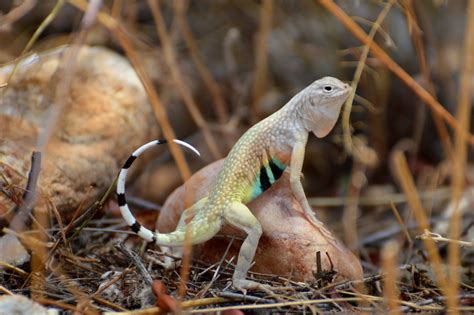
{"points": [[12, 251], [289, 242], [20, 305], [106, 117]]}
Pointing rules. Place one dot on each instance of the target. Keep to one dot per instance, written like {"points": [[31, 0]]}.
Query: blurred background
{"points": [[239, 61]]}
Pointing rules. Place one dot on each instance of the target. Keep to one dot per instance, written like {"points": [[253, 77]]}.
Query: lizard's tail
{"points": [[146, 234]]}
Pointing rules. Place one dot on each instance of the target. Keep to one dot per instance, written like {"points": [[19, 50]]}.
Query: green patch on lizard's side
{"points": [[268, 174]]}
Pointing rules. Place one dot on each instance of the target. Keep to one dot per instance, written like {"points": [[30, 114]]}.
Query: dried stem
{"points": [[416, 35], [394, 67], [183, 305], [59, 304], [16, 13], [440, 194], [439, 238], [6, 265], [463, 116], [209, 81], [63, 76], [137, 262], [5, 290], [173, 66], [158, 108], [261, 57], [390, 253], [409, 188], [186, 264], [49, 18], [401, 223], [346, 125], [19, 222]]}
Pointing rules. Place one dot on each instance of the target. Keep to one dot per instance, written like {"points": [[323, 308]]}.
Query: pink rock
{"points": [[289, 242]]}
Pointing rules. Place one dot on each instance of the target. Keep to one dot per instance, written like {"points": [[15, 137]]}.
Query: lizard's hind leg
{"points": [[172, 255], [241, 217]]}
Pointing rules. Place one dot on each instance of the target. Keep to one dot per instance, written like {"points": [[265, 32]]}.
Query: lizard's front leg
{"points": [[296, 165], [240, 216]]}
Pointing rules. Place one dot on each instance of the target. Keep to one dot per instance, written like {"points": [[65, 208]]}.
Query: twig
{"points": [[137, 262], [158, 108], [63, 76], [261, 56], [177, 77], [400, 222], [346, 127], [385, 234], [5, 290], [439, 238], [364, 158], [244, 297], [29, 241], [183, 305], [109, 304], [463, 117], [409, 304], [386, 199], [394, 67], [59, 222], [14, 268], [216, 272], [87, 215], [185, 263], [15, 14], [44, 24], [389, 265], [209, 81], [344, 285], [110, 282], [311, 302], [58, 304], [142, 203], [416, 35], [409, 188], [29, 197]]}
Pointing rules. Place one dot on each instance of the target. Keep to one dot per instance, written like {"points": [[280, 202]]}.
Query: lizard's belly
{"points": [[265, 177]]}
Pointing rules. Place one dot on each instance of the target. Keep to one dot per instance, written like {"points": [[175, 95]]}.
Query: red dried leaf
{"points": [[163, 300]]}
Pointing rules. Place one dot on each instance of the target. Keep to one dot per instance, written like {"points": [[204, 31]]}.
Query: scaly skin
{"points": [[255, 162]]}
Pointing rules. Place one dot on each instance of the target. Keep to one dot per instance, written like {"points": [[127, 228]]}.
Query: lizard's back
{"points": [[255, 162]]}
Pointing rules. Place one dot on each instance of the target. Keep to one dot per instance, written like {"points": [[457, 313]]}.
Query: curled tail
{"points": [[146, 234]]}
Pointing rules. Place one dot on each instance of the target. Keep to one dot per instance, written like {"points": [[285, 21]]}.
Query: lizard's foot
{"points": [[169, 263], [164, 259], [244, 285]]}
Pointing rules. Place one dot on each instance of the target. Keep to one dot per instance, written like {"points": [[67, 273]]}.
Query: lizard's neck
{"points": [[292, 116]]}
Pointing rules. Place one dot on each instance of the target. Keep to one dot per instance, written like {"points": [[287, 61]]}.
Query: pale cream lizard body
{"points": [[255, 162]]}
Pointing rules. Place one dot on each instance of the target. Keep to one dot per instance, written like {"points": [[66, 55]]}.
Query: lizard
{"points": [[254, 163]]}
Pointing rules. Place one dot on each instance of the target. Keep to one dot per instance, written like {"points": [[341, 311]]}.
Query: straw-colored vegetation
{"points": [[393, 179]]}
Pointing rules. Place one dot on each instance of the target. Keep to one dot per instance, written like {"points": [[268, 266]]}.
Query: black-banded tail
{"points": [[122, 202]]}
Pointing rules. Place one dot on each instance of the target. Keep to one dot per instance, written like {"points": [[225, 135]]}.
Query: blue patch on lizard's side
{"points": [[269, 173]]}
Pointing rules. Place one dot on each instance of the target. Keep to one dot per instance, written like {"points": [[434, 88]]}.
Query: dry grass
{"points": [[416, 271]]}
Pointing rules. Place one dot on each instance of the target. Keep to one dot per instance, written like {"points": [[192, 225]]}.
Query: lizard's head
{"points": [[322, 102]]}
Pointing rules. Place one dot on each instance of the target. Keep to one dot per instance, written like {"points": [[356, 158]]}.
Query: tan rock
{"points": [[289, 243], [106, 117], [21, 305]]}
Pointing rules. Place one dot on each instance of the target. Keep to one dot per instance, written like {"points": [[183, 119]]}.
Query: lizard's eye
{"points": [[328, 88]]}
